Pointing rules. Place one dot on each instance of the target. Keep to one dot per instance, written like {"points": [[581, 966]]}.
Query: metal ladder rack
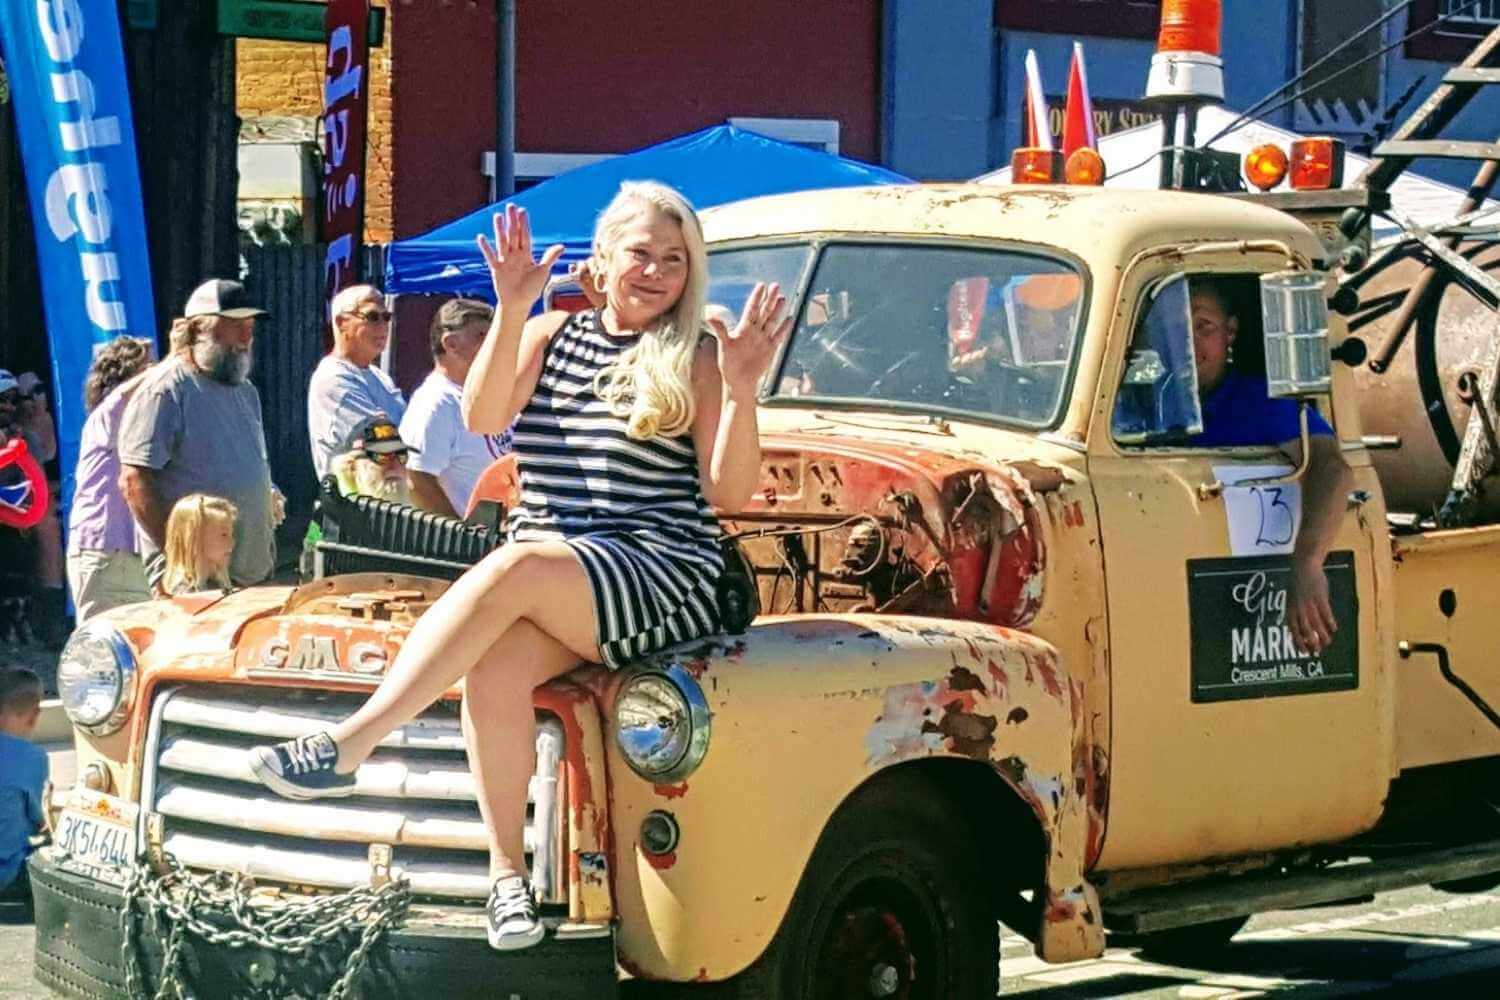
{"points": [[1420, 137]]}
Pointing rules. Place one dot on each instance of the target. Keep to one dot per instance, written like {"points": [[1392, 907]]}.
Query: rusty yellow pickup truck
{"points": [[1021, 654]]}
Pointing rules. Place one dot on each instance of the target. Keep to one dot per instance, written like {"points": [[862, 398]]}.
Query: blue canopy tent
{"points": [[717, 165]]}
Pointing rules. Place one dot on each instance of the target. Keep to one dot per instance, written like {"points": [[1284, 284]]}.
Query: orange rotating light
{"points": [[1265, 166], [1191, 26], [1186, 67]]}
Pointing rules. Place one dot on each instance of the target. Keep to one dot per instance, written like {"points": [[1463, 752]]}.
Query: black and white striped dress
{"points": [[633, 510]]}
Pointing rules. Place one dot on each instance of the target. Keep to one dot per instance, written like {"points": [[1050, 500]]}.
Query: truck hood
{"points": [[873, 514]]}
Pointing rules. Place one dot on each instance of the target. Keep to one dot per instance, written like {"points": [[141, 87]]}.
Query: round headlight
{"points": [[661, 723], [96, 679]]}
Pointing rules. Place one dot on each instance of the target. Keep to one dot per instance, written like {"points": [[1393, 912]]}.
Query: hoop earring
{"points": [[598, 280]]}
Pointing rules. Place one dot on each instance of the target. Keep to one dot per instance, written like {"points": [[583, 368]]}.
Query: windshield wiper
{"points": [[924, 421]]}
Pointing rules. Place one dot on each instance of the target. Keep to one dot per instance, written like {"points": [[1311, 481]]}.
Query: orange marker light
{"points": [[1190, 26], [1265, 166], [1034, 165], [1084, 166], [1317, 164]]}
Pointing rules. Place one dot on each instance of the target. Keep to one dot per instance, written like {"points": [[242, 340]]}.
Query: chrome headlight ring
{"points": [[96, 679], [662, 722]]}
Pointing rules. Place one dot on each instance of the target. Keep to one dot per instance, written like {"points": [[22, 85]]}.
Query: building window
{"points": [[815, 133], [1103, 18], [1455, 38], [1349, 106], [1485, 12]]}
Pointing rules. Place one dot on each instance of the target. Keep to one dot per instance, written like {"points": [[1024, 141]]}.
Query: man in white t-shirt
{"points": [[346, 386], [451, 457]]}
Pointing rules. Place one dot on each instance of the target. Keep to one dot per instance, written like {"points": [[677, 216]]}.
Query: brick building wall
{"points": [[286, 78]]}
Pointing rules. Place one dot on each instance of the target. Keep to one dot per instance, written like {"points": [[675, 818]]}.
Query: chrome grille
{"points": [[414, 795]]}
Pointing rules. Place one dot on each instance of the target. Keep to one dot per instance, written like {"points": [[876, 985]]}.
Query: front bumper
{"points": [[79, 953]]}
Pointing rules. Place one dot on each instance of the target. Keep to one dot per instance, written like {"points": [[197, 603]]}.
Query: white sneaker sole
{"points": [[518, 942], [266, 771]]}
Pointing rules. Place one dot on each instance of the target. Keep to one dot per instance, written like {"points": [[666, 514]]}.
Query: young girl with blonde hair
{"points": [[200, 542], [631, 427]]}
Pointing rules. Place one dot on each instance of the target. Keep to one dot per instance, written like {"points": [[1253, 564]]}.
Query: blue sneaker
{"points": [[302, 768]]}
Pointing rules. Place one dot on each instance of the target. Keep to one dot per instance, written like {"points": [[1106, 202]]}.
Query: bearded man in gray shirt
{"points": [[194, 426]]}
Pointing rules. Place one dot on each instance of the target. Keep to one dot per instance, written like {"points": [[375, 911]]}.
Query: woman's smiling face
{"points": [[647, 269]]}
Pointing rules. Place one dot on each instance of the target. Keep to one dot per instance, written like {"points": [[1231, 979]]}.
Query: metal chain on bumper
{"points": [[187, 901]]}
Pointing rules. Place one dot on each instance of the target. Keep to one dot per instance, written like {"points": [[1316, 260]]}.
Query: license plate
{"points": [[96, 836]]}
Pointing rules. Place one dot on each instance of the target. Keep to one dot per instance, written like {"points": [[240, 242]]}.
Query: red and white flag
{"points": [[1077, 117], [1038, 128], [1078, 114]]}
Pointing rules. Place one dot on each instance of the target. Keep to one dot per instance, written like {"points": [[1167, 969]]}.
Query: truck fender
{"points": [[805, 711]]}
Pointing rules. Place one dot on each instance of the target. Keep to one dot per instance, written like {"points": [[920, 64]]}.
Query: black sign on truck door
{"points": [[1241, 646]]}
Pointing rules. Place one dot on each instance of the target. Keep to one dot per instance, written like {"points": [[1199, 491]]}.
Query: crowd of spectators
{"points": [[173, 490]]}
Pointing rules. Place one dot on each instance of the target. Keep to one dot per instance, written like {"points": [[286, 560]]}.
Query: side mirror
{"points": [[1294, 315]]}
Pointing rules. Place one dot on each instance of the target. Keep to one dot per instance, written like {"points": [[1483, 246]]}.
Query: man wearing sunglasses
{"points": [[347, 388]]}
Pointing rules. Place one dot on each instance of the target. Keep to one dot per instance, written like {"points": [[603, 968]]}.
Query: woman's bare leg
{"points": [[542, 581], [500, 733]]}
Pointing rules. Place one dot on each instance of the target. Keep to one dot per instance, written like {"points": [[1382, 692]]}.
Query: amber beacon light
{"points": [[1186, 65], [1084, 166], [1317, 164], [1265, 166], [1034, 165]]}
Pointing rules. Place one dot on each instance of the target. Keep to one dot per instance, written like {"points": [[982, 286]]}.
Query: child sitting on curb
{"points": [[23, 773]]}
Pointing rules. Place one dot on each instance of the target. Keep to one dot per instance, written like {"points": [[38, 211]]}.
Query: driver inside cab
{"points": [[1237, 411]]}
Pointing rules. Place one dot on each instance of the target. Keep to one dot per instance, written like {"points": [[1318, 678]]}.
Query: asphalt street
{"points": [[1411, 943]]}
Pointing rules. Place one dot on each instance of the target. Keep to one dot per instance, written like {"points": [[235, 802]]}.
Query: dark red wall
{"points": [[607, 76], [442, 109], [442, 121]]}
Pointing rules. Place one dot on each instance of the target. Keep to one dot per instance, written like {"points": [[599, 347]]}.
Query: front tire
{"points": [[894, 903]]}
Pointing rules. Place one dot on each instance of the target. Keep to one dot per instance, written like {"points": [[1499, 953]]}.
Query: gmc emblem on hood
{"points": [[318, 654]]}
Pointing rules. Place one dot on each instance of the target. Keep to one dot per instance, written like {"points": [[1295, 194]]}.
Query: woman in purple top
{"points": [[104, 570]]}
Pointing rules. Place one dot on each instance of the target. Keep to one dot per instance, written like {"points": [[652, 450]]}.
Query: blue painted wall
{"points": [[954, 82], [1480, 120], [939, 64]]}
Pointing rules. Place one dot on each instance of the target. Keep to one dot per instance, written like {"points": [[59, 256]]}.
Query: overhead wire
{"points": [[1260, 106]]}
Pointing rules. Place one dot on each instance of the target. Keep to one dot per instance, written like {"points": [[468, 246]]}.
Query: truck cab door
{"points": [[1225, 740]]}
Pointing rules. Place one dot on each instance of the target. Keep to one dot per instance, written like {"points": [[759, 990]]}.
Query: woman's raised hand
{"points": [[517, 276], [746, 351]]}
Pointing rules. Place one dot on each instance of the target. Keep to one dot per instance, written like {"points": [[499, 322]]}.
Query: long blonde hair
{"points": [[188, 567], [651, 385]]}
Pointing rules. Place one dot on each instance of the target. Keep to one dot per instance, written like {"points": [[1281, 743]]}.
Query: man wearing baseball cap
{"points": [[194, 426]]}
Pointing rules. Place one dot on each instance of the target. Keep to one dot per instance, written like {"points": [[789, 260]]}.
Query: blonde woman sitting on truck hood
{"points": [[608, 559]]}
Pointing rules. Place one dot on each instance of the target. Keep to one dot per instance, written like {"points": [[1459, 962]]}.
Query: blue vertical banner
{"points": [[66, 64]]}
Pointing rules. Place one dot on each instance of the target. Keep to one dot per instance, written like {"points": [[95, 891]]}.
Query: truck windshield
{"points": [[974, 332]]}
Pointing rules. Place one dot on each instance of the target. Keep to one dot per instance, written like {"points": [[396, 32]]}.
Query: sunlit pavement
{"points": [[1415, 942]]}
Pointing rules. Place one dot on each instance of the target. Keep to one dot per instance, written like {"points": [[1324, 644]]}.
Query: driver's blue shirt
{"points": [[1238, 413]]}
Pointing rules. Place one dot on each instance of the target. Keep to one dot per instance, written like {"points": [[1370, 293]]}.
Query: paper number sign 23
{"points": [[1263, 520]]}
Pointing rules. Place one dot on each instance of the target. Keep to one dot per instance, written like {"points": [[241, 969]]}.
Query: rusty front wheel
{"points": [[892, 904]]}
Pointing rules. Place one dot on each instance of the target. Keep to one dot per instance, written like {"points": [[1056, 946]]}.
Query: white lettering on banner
{"points": [[62, 31], [98, 268], [77, 194], [83, 189], [88, 131]]}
